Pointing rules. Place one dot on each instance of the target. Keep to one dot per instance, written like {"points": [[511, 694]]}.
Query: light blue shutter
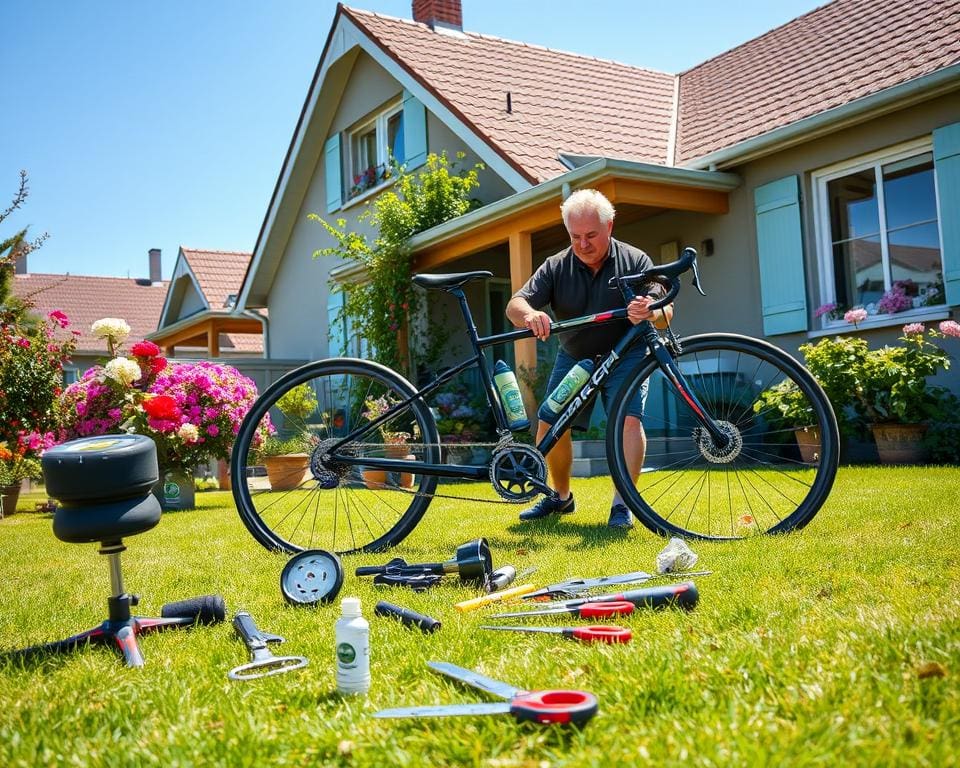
{"points": [[333, 173], [946, 161], [780, 246], [336, 331], [414, 132]]}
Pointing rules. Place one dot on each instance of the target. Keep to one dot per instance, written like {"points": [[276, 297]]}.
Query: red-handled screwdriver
{"points": [[588, 611], [595, 634]]}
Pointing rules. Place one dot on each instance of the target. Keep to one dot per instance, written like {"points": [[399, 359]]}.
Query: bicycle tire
{"points": [[357, 514], [692, 489]]}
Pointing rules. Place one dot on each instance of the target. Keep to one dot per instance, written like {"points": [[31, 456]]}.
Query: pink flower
{"points": [[825, 309], [22, 342], [60, 318], [913, 328], [855, 316], [950, 328], [213, 430]]}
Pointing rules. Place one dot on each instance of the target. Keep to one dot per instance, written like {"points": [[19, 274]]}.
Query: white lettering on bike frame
{"points": [[596, 379]]}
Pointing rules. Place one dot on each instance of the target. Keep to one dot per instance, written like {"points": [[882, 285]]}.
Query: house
{"points": [[818, 163], [87, 298]]}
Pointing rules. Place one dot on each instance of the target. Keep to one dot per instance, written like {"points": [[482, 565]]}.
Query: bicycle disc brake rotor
{"points": [[329, 474], [512, 467], [713, 452]]}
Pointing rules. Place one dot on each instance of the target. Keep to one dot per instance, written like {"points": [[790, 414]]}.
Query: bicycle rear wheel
{"points": [[762, 482], [318, 503]]}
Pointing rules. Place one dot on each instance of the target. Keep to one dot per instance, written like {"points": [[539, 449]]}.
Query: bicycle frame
{"points": [[584, 398]]}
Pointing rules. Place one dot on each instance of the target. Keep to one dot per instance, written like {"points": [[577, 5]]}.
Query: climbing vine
{"points": [[382, 301]]}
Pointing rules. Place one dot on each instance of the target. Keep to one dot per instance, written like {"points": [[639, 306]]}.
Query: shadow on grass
{"points": [[588, 535]]}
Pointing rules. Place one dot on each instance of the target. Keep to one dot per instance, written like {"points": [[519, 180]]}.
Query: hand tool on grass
{"points": [[588, 611], [407, 617], [494, 597], [472, 563], [672, 596], [574, 587], [551, 706], [263, 663], [601, 633]]}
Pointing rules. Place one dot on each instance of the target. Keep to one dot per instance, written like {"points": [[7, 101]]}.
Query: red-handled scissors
{"points": [[602, 633], [556, 706], [586, 611]]}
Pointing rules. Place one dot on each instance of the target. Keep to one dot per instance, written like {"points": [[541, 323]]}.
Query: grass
{"points": [[837, 645]]}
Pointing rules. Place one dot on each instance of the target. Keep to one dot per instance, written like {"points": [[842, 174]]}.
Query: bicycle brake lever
{"points": [[696, 277]]}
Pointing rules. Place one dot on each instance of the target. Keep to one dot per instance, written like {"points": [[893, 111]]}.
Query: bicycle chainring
{"points": [[713, 452], [512, 467]]}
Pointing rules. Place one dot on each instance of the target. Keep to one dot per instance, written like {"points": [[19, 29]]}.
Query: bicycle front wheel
{"points": [[779, 462], [292, 495]]}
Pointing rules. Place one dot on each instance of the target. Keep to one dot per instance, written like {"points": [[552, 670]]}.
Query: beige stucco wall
{"points": [[298, 296]]}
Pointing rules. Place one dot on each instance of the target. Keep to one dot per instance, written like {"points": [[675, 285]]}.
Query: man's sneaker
{"points": [[549, 505], [620, 517]]}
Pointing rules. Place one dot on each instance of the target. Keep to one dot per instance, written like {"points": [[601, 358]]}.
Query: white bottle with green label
{"points": [[510, 396], [352, 637], [565, 391]]}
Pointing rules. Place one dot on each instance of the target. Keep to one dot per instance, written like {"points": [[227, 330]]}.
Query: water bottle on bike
{"points": [[509, 390], [565, 391]]}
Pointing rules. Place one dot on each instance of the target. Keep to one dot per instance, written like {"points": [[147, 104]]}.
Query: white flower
{"points": [[188, 433], [112, 328], [123, 370]]}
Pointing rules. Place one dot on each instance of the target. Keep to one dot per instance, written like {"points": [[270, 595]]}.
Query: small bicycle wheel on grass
{"points": [[291, 492], [777, 467]]}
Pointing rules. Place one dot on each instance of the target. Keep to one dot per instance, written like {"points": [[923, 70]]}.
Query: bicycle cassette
{"points": [[518, 472]]}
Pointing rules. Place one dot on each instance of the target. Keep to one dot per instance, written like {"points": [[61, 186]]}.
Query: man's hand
{"points": [[539, 323], [638, 310]]}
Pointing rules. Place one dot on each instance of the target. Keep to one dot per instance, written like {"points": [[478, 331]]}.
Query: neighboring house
{"points": [[817, 163], [198, 314], [86, 299]]}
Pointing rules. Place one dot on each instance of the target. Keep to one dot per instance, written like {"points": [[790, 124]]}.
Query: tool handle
{"points": [[501, 578], [494, 597], [602, 633], [554, 706], [407, 617], [613, 608], [683, 595], [247, 629]]}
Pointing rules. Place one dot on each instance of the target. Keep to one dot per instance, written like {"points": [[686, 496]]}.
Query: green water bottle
{"points": [[510, 396], [569, 386]]}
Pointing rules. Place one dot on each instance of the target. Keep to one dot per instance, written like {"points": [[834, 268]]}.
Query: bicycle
{"points": [[721, 462]]}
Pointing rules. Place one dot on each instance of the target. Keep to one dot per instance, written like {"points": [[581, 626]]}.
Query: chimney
{"points": [[155, 266], [19, 257], [439, 13]]}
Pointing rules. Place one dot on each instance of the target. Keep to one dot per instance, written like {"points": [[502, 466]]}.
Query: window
{"points": [[879, 235], [372, 145]]}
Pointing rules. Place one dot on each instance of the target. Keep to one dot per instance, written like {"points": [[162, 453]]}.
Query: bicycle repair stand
{"points": [[83, 475]]}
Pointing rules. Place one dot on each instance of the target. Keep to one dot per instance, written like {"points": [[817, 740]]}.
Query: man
{"points": [[573, 283]]}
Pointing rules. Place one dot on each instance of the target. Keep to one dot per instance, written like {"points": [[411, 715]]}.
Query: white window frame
{"points": [[824, 237], [379, 123]]}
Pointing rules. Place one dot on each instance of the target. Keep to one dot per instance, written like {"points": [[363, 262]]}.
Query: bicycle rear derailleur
{"points": [[518, 472]]}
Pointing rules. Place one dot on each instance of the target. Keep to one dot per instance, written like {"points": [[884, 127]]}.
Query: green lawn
{"points": [[834, 646]]}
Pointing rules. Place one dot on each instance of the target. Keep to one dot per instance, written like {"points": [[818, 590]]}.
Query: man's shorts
{"points": [[611, 385]]}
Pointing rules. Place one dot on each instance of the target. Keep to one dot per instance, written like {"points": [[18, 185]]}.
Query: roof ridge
{"points": [[214, 250], [521, 43], [89, 277]]}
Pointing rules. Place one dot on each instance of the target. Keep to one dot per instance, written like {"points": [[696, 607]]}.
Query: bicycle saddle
{"points": [[452, 280]]}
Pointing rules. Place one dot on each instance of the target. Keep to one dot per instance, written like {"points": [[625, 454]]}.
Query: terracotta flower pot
{"points": [[375, 479], [288, 471], [900, 443]]}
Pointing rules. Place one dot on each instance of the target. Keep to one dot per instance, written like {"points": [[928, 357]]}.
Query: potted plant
{"points": [[287, 459], [192, 411], [786, 410], [886, 388], [396, 443]]}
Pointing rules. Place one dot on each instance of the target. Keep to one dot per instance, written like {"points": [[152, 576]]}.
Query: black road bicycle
{"points": [[721, 463]]}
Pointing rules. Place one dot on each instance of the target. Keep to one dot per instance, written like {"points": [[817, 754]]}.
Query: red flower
{"points": [[145, 349], [161, 407], [158, 364]]}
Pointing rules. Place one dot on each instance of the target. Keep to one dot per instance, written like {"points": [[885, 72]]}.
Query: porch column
{"points": [[521, 267], [213, 340]]}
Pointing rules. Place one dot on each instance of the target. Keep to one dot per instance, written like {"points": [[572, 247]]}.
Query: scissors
{"points": [[587, 610], [601, 633], [552, 706]]}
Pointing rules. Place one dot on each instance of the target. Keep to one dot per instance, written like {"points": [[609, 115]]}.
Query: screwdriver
{"points": [[595, 634]]}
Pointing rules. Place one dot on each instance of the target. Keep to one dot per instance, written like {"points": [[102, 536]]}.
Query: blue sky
{"points": [[156, 125]]}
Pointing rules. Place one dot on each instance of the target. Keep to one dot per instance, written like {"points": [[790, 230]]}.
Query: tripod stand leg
{"points": [[126, 639], [95, 635]]}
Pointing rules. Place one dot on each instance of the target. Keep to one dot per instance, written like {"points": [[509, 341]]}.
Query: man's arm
{"points": [[522, 315], [639, 310]]}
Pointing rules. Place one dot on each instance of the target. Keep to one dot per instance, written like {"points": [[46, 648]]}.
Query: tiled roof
{"points": [[561, 102], [86, 299], [219, 273], [826, 58]]}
